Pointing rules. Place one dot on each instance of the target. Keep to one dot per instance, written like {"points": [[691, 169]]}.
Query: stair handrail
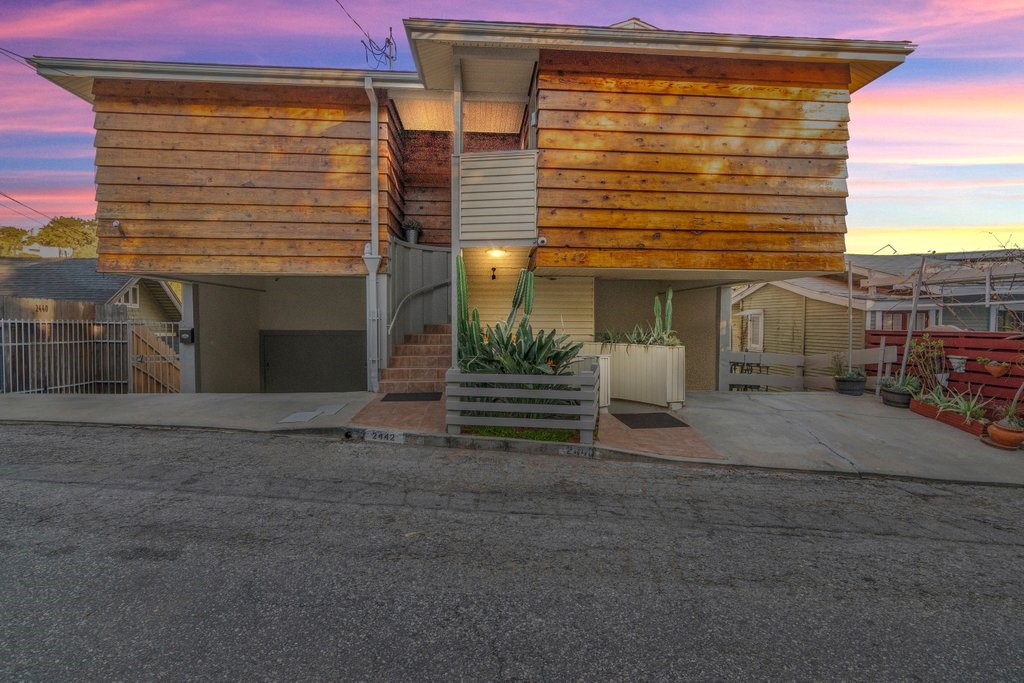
{"points": [[413, 293]]}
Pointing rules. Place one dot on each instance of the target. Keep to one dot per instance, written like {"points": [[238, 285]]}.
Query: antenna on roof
{"points": [[381, 54], [888, 246]]}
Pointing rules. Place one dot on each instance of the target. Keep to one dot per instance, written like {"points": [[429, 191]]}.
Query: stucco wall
{"points": [[313, 303], [227, 333], [622, 304]]}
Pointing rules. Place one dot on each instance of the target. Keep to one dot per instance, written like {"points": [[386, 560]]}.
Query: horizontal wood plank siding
{"points": [[677, 162], [219, 178]]}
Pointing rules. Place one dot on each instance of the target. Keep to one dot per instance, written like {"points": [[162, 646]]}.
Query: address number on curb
{"points": [[577, 451], [384, 436]]}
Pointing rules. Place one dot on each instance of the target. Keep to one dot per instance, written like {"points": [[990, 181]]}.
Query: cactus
{"points": [[509, 347]]}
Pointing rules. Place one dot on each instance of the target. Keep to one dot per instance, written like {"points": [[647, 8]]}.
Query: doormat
{"points": [[649, 420], [422, 396]]}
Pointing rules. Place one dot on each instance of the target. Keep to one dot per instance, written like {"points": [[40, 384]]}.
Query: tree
{"points": [[11, 240], [77, 233]]}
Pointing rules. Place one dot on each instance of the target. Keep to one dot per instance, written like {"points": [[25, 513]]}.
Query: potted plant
{"points": [[928, 359], [849, 381], [897, 392], [412, 229], [1008, 430], [958, 363], [648, 350], [994, 367], [964, 410]]}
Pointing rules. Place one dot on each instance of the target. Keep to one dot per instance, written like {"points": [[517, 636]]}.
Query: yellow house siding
{"points": [[565, 304], [827, 326], [784, 323]]}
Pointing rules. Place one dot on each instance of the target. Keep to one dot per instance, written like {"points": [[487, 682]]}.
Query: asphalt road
{"points": [[138, 554]]}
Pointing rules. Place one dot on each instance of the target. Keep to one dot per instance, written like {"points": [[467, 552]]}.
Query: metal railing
{"points": [[88, 357]]}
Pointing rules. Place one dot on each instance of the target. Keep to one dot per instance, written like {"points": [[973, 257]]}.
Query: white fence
{"points": [[88, 357], [419, 291]]}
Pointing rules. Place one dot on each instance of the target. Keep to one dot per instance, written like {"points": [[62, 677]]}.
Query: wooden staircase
{"points": [[419, 364]]}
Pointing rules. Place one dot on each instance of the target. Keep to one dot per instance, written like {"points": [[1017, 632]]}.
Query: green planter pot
{"points": [[849, 386], [896, 398]]}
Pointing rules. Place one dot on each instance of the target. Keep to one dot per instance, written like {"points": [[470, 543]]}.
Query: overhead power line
{"points": [[15, 57], [381, 54], [4, 194]]}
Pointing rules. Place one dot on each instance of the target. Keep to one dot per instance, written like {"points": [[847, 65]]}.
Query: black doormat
{"points": [[422, 396], [649, 420]]}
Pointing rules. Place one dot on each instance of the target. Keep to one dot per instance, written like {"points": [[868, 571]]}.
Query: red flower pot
{"points": [[1008, 437]]}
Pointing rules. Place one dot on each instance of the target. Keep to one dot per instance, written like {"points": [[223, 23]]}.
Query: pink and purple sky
{"points": [[937, 149]]}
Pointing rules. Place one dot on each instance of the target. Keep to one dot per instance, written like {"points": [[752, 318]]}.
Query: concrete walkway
{"points": [[814, 431]]}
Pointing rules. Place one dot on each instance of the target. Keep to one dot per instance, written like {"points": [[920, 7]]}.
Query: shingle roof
{"points": [[67, 279]]}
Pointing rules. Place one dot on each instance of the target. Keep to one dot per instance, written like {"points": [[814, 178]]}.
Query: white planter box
{"points": [[645, 374]]}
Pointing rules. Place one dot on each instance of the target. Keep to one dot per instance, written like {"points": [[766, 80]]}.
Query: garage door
{"points": [[297, 361]]}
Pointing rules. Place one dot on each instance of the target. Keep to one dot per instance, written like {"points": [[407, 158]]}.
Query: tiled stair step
{"points": [[430, 374], [422, 350], [434, 339], [401, 386], [421, 361], [437, 328]]}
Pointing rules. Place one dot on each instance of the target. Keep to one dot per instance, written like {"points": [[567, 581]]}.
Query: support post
{"points": [[456, 203], [371, 251], [724, 336]]}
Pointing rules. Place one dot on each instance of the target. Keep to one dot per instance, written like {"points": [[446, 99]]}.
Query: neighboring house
{"points": [[613, 162], [980, 291], [72, 289], [46, 252]]}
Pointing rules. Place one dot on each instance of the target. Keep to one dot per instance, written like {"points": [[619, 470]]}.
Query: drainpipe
{"points": [[371, 251]]}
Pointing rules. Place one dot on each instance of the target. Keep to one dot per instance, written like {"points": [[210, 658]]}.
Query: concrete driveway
{"points": [[824, 431]]}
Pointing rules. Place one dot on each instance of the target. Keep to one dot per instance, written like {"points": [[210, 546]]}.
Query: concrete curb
{"points": [[526, 446]]}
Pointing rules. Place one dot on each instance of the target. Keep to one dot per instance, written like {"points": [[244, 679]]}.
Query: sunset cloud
{"points": [[937, 148]]}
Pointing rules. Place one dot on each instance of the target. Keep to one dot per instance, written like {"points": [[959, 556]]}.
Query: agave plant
{"points": [[510, 347], [660, 333]]}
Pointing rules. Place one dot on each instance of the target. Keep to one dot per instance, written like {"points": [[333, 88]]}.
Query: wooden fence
{"points": [[761, 371], [1000, 346], [530, 401], [88, 357]]}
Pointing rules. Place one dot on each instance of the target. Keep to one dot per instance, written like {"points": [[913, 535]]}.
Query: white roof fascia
{"points": [[76, 75], [644, 41], [859, 304], [747, 291]]}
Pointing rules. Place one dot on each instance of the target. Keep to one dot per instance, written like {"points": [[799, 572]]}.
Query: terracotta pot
{"points": [[975, 427], [997, 370], [1006, 436]]}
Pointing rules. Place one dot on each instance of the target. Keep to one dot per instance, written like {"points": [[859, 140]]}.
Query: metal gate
{"points": [[88, 357]]}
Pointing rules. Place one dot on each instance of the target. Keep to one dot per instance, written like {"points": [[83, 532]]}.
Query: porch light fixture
{"points": [[497, 253]]}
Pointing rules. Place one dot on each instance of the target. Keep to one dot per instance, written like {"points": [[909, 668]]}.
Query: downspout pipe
{"points": [[371, 251]]}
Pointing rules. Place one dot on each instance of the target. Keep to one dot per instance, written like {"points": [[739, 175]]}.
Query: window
{"points": [[752, 330], [130, 297], [898, 320]]}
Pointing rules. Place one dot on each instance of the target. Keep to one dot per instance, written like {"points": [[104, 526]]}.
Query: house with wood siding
{"points": [[613, 162]]}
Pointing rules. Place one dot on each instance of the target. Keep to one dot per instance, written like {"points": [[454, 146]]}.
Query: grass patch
{"points": [[534, 433]]}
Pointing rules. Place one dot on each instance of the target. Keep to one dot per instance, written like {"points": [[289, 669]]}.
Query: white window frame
{"points": [[129, 297], [751, 342]]}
